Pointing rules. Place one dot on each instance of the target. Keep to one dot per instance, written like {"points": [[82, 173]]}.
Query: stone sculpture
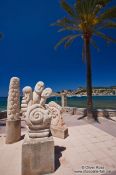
{"points": [[54, 104], [26, 100], [37, 113], [38, 121], [13, 102], [37, 92], [37, 118], [55, 111], [58, 126], [38, 141], [13, 122]]}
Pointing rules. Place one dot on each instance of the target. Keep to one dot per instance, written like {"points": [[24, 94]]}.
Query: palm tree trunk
{"points": [[89, 78]]}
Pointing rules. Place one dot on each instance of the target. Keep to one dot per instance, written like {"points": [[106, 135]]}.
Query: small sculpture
{"points": [[58, 126], [54, 104], [13, 102], [26, 100], [37, 92], [55, 111]]}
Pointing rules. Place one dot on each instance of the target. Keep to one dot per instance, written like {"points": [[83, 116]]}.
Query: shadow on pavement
{"points": [[58, 154], [2, 122]]}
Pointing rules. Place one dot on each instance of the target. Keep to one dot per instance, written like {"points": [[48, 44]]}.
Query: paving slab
{"points": [[88, 150]]}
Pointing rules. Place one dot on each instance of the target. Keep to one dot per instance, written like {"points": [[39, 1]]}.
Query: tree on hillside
{"points": [[87, 19]]}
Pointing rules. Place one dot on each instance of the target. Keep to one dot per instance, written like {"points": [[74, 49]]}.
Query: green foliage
{"points": [[67, 40], [105, 37], [67, 8], [108, 14], [86, 18]]}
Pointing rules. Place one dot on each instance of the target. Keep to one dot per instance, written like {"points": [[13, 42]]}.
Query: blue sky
{"points": [[27, 49]]}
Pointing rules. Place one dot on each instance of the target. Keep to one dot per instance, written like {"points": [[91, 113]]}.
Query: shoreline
{"points": [[59, 95], [103, 102], [92, 96]]}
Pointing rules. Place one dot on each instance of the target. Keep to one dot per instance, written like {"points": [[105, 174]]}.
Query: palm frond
{"points": [[67, 39], [108, 14], [109, 24], [63, 22], [103, 2], [62, 41], [68, 28], [67, 8], [71, 39], [90, 6], [86, 17], [104, 36], [94, 44], [79, 8]]}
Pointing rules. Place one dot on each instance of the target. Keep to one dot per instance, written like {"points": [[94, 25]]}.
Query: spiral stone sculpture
{"points": [[13, 102], [38, 121], [39, 140], [39, 116]]}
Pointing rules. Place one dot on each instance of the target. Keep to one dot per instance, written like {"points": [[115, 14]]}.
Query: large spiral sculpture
{"points": [[38, 121]]}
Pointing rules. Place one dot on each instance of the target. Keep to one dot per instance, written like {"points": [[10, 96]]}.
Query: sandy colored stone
{"points": [[13, 101], [37, 156], [60, 132], [13, 131]]}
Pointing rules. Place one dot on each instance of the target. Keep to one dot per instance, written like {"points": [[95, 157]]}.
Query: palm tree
{"points": [[87, 19]]}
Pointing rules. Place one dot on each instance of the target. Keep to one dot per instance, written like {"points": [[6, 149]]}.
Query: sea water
{"points": [[104, 102]]}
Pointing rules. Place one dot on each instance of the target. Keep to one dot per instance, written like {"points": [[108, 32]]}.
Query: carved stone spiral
{"points": [[55, 111], [55, 114], [38, 121]]}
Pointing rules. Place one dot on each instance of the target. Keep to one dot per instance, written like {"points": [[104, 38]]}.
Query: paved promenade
{"points": [[90, 149]]}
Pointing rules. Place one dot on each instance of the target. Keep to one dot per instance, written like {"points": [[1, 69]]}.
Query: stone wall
{"points": [[83, 111], [78, 111], [3, 114]]}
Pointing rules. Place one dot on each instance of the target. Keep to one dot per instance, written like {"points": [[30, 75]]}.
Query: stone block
{"points": [[60, 132], [68, 110], [37, 156], [13, 131], [80, 111]]}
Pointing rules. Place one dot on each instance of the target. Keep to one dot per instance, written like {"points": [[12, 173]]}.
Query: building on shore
{"points": [[96, 91]]}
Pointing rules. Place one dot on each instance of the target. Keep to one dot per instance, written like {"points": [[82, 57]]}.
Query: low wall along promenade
{"points": [[82, 111], [79, 111]]}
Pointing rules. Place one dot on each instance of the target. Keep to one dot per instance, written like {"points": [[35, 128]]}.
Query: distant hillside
{"points": [[95, 91]]}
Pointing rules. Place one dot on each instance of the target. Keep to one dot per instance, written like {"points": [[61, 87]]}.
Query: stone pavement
{"points": [[90, 149]]}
